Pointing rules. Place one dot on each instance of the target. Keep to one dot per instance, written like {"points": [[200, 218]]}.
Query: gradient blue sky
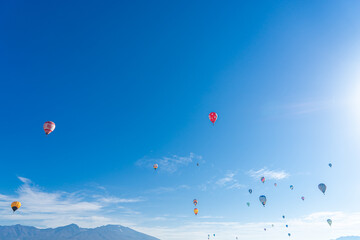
{"points": [[131, 83]]}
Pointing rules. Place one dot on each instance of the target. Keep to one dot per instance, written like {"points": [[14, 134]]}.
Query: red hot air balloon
{"points": [[49, 126], [213, 117]]}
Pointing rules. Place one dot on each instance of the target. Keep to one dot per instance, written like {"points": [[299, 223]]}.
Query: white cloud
{"points": [[169, 163], [269, 174], [229, 181], [51, 209], [24, 180]]}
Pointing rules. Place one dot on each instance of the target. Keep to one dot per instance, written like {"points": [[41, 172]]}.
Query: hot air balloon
{"points": [[213, 117], [330, 164], [283, 216], [248, 204], [49, 126], [287, 226], [250, 191], [289, 234], [196, 211], [291, 187], [265, 229], [303, 198], [155, 166], [262, 179], [15, 206], [262, 199], [197, 164], [275, 184], [195, 202], [322, 188], [214, 234], [329, 221]]}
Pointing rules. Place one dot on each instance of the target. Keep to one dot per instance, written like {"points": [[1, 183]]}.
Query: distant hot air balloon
{"points": [[214, 234], [250, 191], [322, 188], [155, 166], [265, 229], [286, 225], [196, 211], [283, 216], [262, 199], [303, 198], [248, 204], [213, 117], [195, 202], [329, 221], [289, 234], [275, 184], [197, 164], [15, 205], [49, 126], [330, 164], [291, 187], [262, 179]]}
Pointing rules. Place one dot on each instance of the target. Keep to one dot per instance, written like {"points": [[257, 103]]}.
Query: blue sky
{"points": [[132, 83]]}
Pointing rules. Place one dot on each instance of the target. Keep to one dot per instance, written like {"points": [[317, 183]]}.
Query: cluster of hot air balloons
{"points": [[195, 202], [263, 199]]}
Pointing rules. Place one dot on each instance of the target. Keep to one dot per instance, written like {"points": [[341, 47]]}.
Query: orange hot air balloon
{"points": [[15, 206], [213, 117], [49, 126], [195, 202], [196, 211], [155, 166]]}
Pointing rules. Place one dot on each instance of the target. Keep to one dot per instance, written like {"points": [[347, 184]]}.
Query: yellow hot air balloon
{"points": [[196, 211], [15, 206]]}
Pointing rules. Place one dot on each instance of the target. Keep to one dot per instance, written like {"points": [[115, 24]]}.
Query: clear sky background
{"points": [[131, 83]]}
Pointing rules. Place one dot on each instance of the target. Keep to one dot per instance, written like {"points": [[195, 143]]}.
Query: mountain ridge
{"points": [[71, 232]]}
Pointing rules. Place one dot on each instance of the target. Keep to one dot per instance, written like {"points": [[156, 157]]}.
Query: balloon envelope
{"points": [[213, 117], [275, 184], [155, 166], [262, 179], [329, 221], [15, 205], [195, 202], [248, 204], [196, 211], [322, 187], [330, 164], [49, 126], [303, 198], [250, 191], [262, 199], [291, 187]]}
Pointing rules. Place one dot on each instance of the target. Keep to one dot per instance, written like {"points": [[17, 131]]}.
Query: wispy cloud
{"points": [[169, 163], [229, 181], [50, 209], [268, 174], [160, 190]]}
